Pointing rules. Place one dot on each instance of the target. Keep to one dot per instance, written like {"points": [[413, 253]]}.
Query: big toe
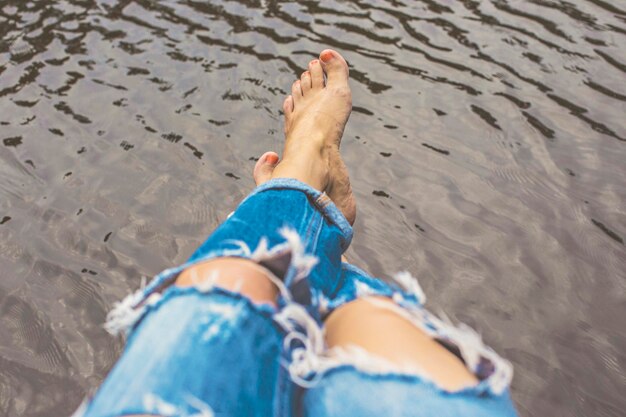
{"points": [[265, 167], [335, 67]]}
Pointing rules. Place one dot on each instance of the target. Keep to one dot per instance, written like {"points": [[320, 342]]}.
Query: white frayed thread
{"points": [[302, 262], [81, 410], [361, 359], [467, 340], [154, 404], [323, 302], [311, 360], [203, 408], [302, 328], [126, 313], [411, 285], [363, 289], [242, 250]]}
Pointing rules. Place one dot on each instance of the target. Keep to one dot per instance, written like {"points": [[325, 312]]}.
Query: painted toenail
{"points": [[313, 62], [327, 56], [272, 159]]}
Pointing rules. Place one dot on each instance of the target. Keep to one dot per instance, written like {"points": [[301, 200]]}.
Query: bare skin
{"points": [[386, 334], [316, 113], [233, 274]]}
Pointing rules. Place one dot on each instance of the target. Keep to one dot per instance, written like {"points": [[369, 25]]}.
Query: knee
{"points": [[365, 323], [375, 325], [233, 274]]}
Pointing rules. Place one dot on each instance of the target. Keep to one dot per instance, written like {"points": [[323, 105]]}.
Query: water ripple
{"points": [[486, 147]]}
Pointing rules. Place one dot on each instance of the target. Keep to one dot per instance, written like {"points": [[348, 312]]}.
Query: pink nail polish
{"points": [[327, 56]]}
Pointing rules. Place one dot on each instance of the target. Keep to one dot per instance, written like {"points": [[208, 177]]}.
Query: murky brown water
{"points": [[487, 150]]}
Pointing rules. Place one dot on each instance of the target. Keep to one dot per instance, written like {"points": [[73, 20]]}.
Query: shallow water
{"points": [[486, 147]]}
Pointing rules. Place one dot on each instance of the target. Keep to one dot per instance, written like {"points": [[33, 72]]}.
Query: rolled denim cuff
{"points": [[318, 199]]}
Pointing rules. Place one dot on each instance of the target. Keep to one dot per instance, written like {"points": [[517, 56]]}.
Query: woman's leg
{"points": [[404, 359], [205, 334], [203, 338], [385, 354], [232, 275], [381, 331]]}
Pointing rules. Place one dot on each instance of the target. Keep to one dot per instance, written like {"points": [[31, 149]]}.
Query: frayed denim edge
{"points": [[480, 389], [154, 405], [310, 361], [126, 313]]}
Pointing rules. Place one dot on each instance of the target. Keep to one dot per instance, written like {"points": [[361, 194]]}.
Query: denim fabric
{"points": [[287, 203], [171, 365], [203, 351], [346, 391], [196, 352], [355, 384]]}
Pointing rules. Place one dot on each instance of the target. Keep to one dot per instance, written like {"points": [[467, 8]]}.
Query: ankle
{"points": [[310, 144], [310, 169]]}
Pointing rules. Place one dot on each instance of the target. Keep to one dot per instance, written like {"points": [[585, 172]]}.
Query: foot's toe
{"points": [[264, 167], [288, 110], [335, 66], [317, 74], [288, 106], [296, 92], [305, 82]]}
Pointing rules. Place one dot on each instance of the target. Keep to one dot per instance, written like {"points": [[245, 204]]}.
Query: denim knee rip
{"points": [[231, 309], [311, 360], [307, 358], [291, 227], [304, 340], [303, 260], [278, 261], [286, 264]]}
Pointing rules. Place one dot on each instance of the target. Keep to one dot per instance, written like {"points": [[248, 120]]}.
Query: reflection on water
{"points": [[487, 147]]}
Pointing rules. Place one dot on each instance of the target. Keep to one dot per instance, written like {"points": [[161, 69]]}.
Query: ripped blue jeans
{"points": [[204, 351]]}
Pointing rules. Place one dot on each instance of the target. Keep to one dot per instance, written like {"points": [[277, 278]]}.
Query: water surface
{"points": [[487, 148]]}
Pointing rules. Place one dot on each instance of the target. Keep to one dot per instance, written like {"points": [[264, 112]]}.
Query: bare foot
{"points": [[316, 113]]}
